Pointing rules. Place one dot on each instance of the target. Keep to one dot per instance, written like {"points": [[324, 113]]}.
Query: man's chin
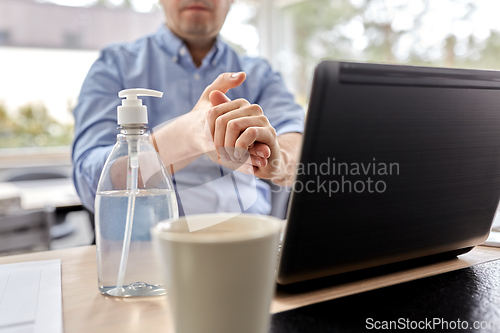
{"points": [[196, 29]]}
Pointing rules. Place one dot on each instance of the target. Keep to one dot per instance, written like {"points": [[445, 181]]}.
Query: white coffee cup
{"points": [[220, 279]]}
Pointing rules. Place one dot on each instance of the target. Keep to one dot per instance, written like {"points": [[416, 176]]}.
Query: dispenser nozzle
{"points": [[132, 112], [133, 93]]}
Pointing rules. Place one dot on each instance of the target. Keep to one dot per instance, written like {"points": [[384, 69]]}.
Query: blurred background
{"points": [[48, 46]]}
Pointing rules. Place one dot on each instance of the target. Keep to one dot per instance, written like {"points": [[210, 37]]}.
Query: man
{"points": [[213, 97]]}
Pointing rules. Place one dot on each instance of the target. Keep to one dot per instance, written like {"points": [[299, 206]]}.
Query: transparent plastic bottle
{"points": [[134, 193]]}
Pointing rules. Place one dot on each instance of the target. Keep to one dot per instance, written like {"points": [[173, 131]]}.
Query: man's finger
{"points": [[260, 149], [259, 161], [235, 127], [253, 134], [217, 97], [218, 117], [223, 83]]}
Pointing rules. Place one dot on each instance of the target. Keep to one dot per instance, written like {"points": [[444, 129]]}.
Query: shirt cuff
{"points": [[291, 127]]}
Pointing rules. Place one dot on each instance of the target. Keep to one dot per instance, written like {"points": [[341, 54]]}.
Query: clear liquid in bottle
{"points": [[142, 277]]}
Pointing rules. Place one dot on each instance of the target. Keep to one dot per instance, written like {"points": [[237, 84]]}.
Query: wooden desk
{"points": [[86, 310]]}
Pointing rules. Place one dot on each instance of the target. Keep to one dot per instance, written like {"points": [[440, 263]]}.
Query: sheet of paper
{"points": [[30, 297]]}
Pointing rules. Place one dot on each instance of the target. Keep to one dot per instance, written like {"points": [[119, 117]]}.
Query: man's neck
{"points": [[199, 49]]}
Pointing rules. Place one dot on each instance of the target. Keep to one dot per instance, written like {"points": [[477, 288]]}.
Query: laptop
{"points": [[397, 163]]}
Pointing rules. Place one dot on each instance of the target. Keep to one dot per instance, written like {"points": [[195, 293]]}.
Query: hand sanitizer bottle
{"points": [[134, 193]]}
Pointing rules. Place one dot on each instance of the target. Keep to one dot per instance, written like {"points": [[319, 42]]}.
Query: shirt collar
{"points": [[175, 46]]}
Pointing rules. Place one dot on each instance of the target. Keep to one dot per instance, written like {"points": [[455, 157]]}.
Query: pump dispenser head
{"points": [[132, 111]]}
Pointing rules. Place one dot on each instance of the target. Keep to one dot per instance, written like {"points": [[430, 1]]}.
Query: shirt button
{"points": [[197, 77], [182, 51], [214, 63], [174, 59]]}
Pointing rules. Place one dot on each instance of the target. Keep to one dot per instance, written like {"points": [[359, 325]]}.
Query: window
{"points": [[449, 33], [240, 28], [56, 42], [46, 56], [46, 51]]}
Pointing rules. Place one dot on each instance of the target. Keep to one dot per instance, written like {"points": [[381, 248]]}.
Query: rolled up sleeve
{"points": [[95, 125], [278, 104]]}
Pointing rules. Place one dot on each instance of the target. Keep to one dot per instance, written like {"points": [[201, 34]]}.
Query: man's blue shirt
{"points": [[162, 62]]}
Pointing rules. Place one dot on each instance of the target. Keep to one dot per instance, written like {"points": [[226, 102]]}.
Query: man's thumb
{"points": [[217, 97], [224, 82]]}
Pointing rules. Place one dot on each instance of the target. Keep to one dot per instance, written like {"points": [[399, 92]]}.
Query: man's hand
{"points": [[223, 83], [238, 126], [184, 139], [213, 96], [231, 127]]}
